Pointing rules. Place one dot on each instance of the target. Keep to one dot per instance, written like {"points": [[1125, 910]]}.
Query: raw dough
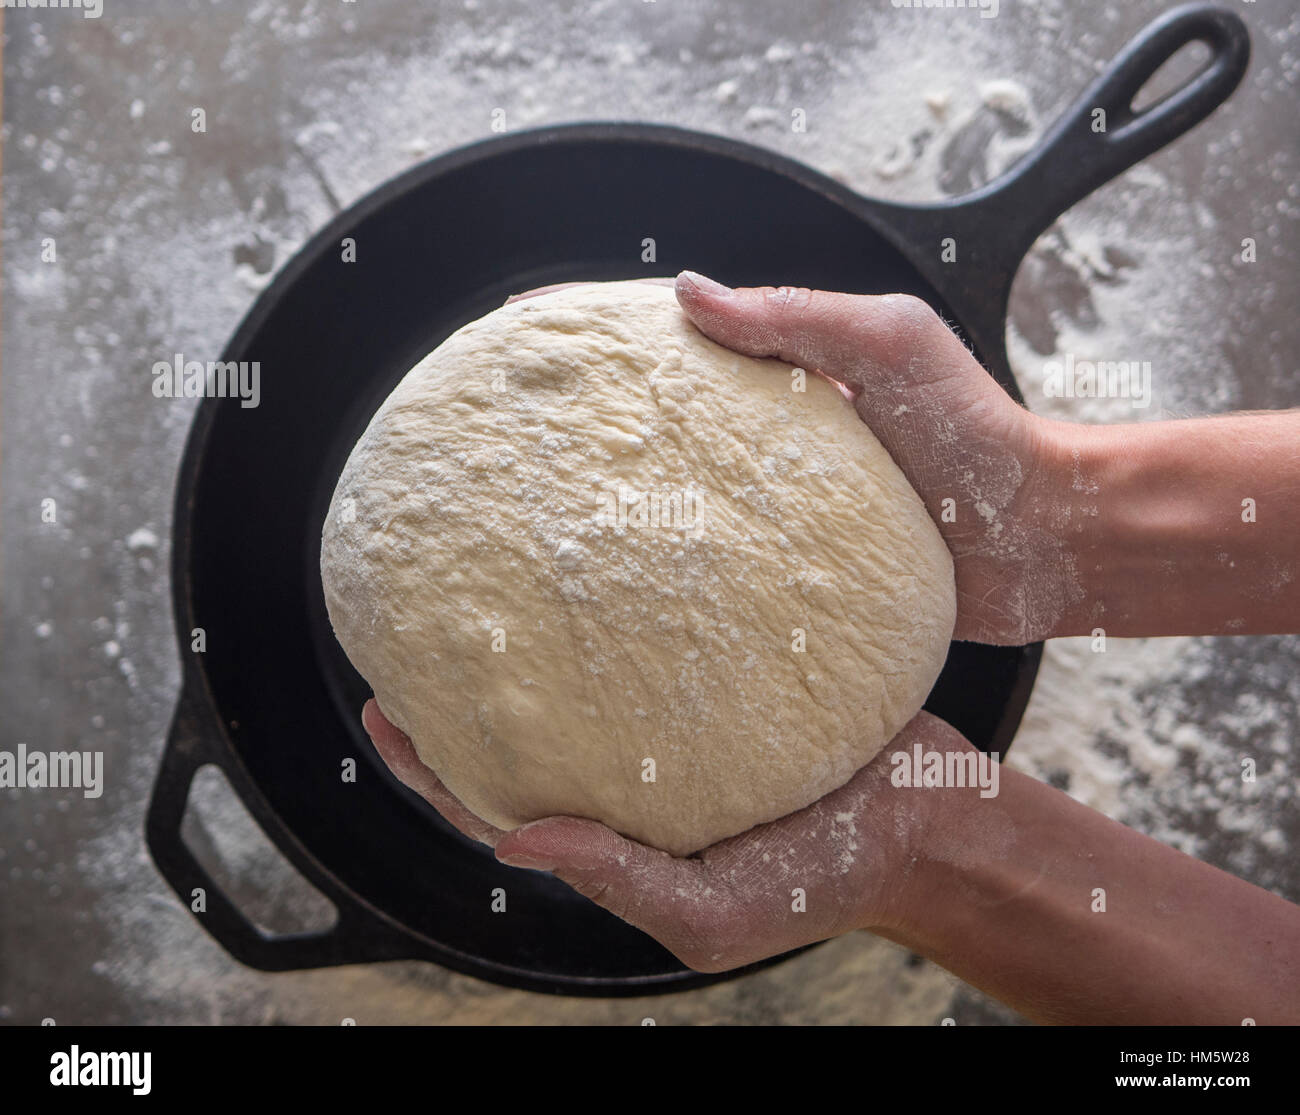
{"points": [[547, 653]]}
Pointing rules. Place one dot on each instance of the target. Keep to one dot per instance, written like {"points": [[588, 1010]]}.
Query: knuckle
{"points": [[700, 957], [621, 901], [786, 299], [898, 328], [596, 890], [710, 943], [910, 314]]}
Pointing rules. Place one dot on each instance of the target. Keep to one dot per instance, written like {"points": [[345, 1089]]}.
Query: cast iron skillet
{"points": [[274, 703]]}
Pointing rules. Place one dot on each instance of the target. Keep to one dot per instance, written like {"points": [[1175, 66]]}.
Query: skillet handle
{"points": [[357, 936], [994, 226], [1073, 159]]}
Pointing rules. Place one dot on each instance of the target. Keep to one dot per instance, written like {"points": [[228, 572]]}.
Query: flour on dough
{"points": [[584, 545]]}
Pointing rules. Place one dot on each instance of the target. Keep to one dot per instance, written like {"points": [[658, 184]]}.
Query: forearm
{"points": [[1179, 528], [1073, 918]]}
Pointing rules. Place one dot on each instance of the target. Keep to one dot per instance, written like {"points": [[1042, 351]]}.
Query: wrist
{"points": [[1105, 503], [1055, 507], [1144, 529], [936, 820]]}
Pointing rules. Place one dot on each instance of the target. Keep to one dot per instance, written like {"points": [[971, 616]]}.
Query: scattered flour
{"points": [[167, 239]]}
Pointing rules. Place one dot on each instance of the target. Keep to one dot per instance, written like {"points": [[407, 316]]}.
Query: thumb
{"points": [[868, 341]]}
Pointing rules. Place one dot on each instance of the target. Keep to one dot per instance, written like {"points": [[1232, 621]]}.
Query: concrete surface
{"points": [[163, 237]]}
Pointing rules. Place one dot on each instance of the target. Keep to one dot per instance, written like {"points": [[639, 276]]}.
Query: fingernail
{"points": [[704, 284], [529, 862]]}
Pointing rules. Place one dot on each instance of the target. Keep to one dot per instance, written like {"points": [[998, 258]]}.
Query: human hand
{"points": [[850, 853], [955, 433], [998, 889]]}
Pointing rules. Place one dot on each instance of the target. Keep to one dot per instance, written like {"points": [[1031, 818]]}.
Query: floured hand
{"points": [[838, 865], [955, 433]]}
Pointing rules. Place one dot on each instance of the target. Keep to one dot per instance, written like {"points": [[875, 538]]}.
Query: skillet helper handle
{"points": [[1075, 157], [357, 936]]}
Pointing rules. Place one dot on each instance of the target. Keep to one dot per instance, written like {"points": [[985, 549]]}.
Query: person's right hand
{"points": [[950, 427], [851, 855]]}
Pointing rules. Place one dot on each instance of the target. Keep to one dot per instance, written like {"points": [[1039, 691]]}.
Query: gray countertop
{"points": [[163, 236]]}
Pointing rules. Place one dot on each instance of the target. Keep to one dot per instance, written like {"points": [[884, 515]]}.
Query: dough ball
{"points": [[594, 564]]}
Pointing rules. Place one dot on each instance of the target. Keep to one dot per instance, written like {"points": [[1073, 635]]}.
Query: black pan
{"points": [[274, 703]]}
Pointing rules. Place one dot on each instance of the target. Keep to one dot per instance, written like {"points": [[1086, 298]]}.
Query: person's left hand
{"points": [[850, 855]]}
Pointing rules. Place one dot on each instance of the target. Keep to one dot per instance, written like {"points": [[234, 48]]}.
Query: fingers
{"points": [[729, 907], [399, 755], [892, 351], [945, 421], [674, 900], [837, 865], [537, 292]]}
